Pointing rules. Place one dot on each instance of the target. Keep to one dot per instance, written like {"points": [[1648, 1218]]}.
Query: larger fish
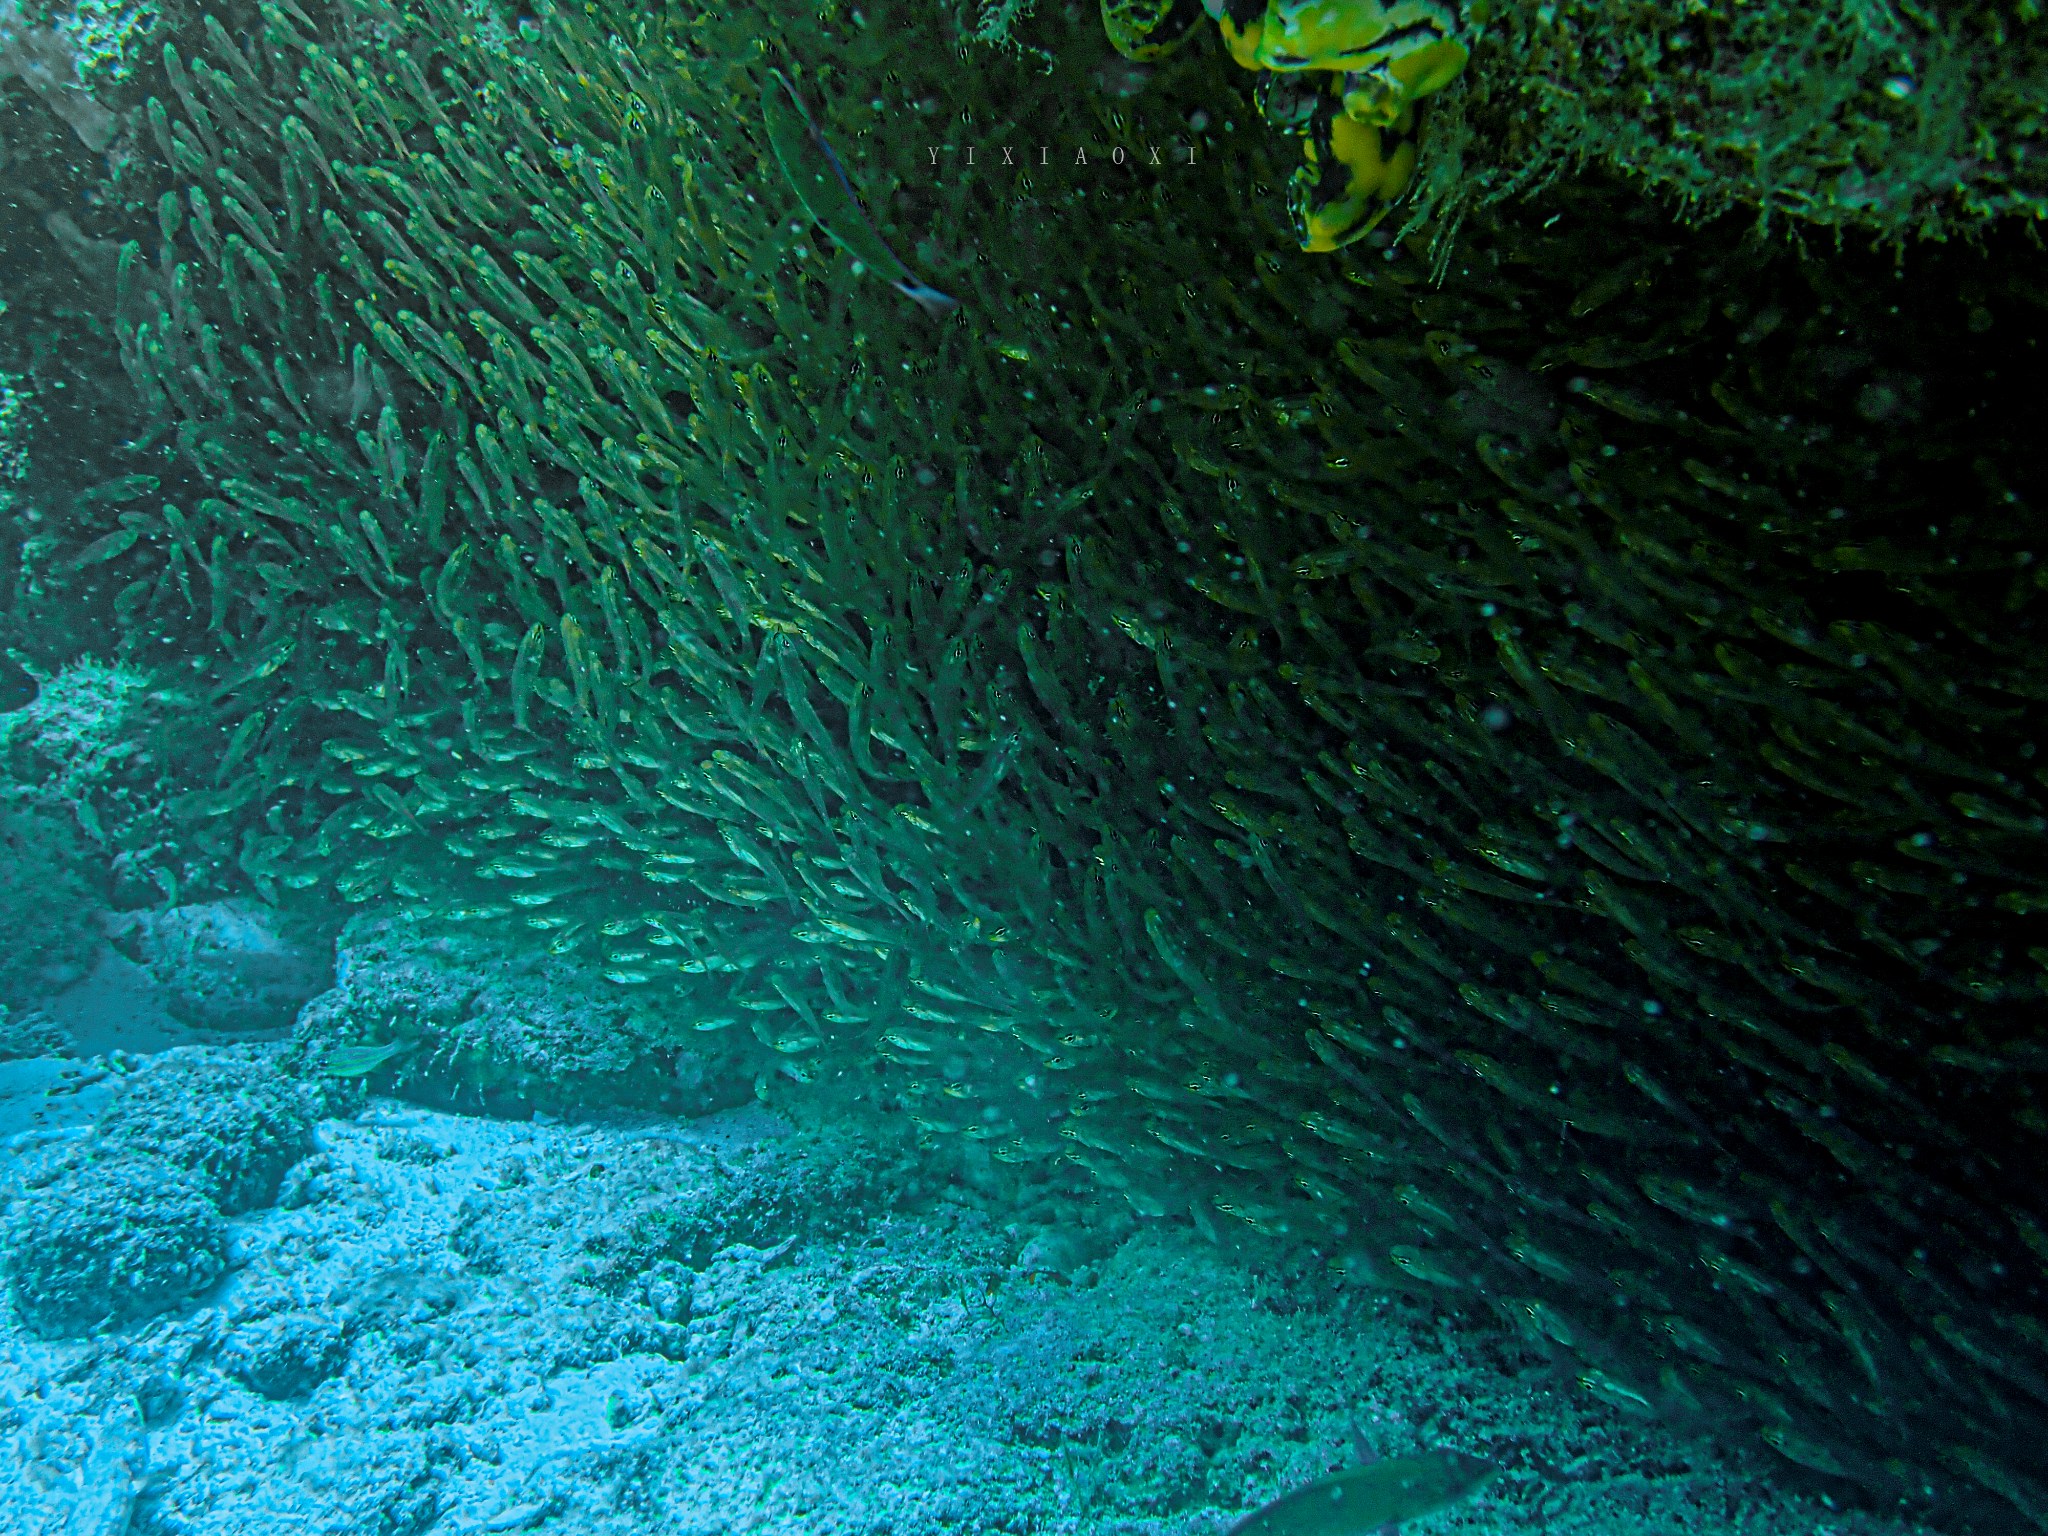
{"points": [[1366, 1498], [821, 185]]}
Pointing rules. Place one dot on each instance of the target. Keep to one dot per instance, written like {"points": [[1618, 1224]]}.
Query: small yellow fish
{"points": [[1361, 1499]]}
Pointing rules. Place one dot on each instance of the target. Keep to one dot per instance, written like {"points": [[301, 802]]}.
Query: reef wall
{"points": [[1885, 119], [1526, 782]]}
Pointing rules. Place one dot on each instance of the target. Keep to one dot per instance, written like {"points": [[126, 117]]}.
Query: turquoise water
{"points": [[884, 771]]}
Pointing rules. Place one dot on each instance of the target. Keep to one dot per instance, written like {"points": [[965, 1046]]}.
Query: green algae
{"points": [[1889, 121]]}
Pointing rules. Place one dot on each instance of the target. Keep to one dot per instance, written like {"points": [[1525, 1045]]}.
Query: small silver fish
{"points": [[361, 1060]]}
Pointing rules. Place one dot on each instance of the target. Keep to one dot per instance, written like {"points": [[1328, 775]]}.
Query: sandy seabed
{"points": [[449, 1323]]}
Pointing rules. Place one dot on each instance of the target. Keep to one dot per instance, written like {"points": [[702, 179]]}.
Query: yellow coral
{"points": [[1381, 92], [1145, 30], [1346, 37], [1352, 173], [1363, 68]]}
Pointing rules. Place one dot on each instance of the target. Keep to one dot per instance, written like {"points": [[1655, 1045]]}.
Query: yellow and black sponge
{"points": [[1352, 173], [1345, 75], [1146, 30]]}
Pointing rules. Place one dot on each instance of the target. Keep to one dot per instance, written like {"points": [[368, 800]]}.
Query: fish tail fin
{"points": [[927, 298], [1363, 1454]]}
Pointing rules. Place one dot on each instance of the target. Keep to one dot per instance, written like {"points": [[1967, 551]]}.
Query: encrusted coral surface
{"points": [[1888, 121], [108, 1240], [234, 1126]]}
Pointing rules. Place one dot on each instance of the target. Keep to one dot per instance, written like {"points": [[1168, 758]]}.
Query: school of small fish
{"points": [[1309, 750]]}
